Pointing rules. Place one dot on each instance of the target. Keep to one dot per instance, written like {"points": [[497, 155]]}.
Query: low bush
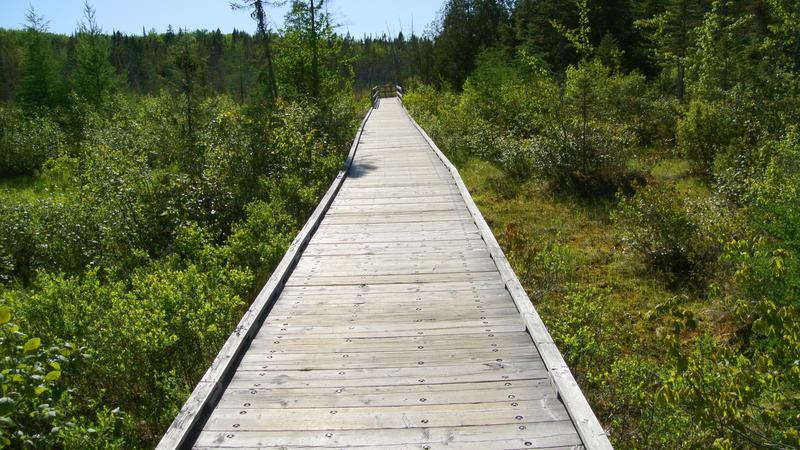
{"points": [[36, 392], [151, 335], [27, 142], [707, 129], [679, 237]]}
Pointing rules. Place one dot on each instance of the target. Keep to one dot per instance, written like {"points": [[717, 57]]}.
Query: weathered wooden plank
{"points": [[433, 236], [506, 372], [330, 303], [405, 287], [387, 417], [312, 344], [526, 435], [390, 248], [385, 311], [430, 358], [452, 254], [489, 325], [396, 268], [436, 394], [462, 224], [300, 280]]}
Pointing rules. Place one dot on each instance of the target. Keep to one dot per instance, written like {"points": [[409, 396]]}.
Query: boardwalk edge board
{"points": [[589, 428], [208, 391]]}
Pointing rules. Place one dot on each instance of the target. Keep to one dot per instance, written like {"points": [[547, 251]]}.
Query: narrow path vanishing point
{"points": [[399, 325]]}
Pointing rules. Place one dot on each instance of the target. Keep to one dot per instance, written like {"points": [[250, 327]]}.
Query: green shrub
{"points": [[37, 388], [27, 142], [41, 235], [152, 335], [582, 330], [705, 132], [677, 236], [261, 241], [517, 157], [650, 116], [586, 148]]}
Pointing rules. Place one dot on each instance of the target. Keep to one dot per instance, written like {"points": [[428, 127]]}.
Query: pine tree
{"points": [[41, 84], [267, 77], [94, 77], [312, 48], [187, 66]]}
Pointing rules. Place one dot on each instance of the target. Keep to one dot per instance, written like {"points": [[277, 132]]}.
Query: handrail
{"points": [[375, 96], [189, 421], [385, 90]]}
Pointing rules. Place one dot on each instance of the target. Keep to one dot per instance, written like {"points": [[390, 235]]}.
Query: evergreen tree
{"points": [[466, 27], [308, 23], [312, 59], [41, 84], [267, 78], [94, 76], [187, 66]]}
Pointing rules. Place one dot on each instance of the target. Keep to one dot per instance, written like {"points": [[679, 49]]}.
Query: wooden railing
{"points": [[386, 91]]}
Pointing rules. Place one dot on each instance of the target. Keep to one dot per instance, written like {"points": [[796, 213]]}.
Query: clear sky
{"points": [[359, 17]]}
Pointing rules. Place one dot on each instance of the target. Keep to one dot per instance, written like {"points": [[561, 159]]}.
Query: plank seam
{"points": [[589, 428]]}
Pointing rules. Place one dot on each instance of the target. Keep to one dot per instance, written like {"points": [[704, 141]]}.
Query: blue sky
{"points": [[359, 17]]}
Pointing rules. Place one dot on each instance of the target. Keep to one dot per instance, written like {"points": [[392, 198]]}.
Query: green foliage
{"points": [[40, 84], [720, 53], [582, 330], [147, 257], [27, 142], [578, 37], [310, 61], [153, 332], [708, 129], [263, 239], [675, 235], [588, 147], [94, 77], [465, 28], [37, 391]]}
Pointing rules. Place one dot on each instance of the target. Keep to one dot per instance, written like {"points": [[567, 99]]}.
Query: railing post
{"points": [[375, 96]]}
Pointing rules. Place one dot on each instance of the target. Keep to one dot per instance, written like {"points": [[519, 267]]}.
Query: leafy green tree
{"points": [[786, 22], [670, 36], [465, 27], [719, 60]]}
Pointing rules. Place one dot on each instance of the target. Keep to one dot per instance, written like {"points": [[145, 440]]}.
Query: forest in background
{"points": [[639, 163]]}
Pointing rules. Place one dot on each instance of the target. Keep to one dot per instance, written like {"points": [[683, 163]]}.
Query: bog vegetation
{"points": [[638, 161]]}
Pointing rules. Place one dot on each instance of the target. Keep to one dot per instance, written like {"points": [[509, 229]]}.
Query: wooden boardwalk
{"points": [[398, 325]]}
